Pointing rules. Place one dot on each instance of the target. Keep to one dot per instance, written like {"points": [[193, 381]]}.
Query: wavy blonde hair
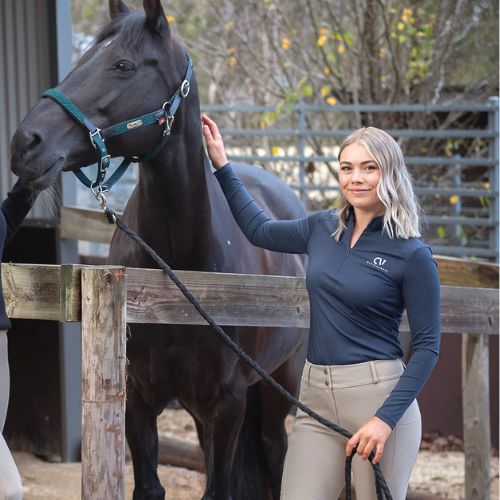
{"points": [[394, 189]]}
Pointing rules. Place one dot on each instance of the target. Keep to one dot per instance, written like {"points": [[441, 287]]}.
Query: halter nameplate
{"points": [[135, 124]]}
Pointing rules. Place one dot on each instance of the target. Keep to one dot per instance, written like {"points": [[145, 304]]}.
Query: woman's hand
{"points": [[215, 145], [373, 434]]}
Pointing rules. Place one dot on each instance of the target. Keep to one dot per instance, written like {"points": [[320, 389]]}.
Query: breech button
{"points": [[327, 383]]}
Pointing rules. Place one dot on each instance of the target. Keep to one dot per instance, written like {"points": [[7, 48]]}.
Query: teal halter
{"points": [[165, 115]]}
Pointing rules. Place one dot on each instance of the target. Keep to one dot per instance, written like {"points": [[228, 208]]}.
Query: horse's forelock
{"points": [[130, 28]]}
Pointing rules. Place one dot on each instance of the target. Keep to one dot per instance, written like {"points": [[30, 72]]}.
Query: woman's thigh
{"points": [[315, 461], [357, 406]]}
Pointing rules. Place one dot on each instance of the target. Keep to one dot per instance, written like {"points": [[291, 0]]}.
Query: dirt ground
{"points": [[436, 473]]}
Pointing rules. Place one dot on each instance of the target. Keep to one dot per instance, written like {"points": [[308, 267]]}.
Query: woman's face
{"points": [[358, 177]]}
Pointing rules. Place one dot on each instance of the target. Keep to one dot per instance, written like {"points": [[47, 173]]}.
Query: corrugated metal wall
{"points": [[24, 76]]}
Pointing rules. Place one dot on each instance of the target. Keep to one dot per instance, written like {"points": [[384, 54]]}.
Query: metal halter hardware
{"points": [[165, 115]]}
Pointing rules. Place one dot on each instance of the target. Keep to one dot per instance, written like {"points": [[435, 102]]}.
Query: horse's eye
{"points": [[124, 66]]}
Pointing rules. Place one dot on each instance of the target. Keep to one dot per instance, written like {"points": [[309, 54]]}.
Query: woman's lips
{"points": [[359, 191]]}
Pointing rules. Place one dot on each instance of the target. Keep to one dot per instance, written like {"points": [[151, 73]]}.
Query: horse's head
{"points": [[133, 67]]}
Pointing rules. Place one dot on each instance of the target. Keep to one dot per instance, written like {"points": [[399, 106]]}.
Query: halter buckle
{"points": [[97, 131], [105, 159], [185, 88]]}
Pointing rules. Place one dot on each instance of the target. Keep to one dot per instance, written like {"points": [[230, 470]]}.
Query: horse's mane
{"points": [[130, 27]]}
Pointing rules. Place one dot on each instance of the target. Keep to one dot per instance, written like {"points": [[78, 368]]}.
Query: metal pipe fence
{"points": [[492, 162]]}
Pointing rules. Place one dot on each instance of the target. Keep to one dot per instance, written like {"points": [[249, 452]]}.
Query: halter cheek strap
{"points": [[163, 116]]}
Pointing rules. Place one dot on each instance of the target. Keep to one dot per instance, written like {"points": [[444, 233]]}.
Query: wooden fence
{"points": [[105, 298]]}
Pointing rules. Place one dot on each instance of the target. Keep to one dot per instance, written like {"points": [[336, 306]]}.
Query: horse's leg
{"points": [[142, 437], [275, 410], [221, 427]]}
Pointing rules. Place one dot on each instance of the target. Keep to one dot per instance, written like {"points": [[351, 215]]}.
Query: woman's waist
{"points": [[338, 376]]}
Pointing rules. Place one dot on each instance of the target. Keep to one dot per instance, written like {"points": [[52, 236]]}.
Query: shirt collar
{"points": [[375, 224]]}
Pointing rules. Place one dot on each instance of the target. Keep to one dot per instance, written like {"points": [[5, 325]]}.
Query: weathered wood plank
{"points": [[467, 272], [32, 291], [231, 299], [71, 297], [103, 383], [476, 416], [248, 300], [86, 224]]}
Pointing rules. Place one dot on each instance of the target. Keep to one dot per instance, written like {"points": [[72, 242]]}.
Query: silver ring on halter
{"points": [[185, 87]]}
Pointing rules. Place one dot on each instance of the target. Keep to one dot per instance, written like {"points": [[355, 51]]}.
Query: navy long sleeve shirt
{"points": [[12, 213], [357, 295]]}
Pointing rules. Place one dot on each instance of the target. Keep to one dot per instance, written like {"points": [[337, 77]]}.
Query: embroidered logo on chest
{"points": [[378, 262]]}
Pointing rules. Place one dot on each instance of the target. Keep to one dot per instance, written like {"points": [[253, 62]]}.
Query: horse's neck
{"points": [[174, 206]]}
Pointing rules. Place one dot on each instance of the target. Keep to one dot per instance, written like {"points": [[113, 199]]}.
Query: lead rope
{"points": [[380, 484]]}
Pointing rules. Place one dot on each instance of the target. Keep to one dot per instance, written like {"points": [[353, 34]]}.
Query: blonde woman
{"points": [[366, 266]]}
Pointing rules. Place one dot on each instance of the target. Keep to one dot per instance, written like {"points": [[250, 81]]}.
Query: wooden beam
{"points": [[34, 292], [476, 416], [86, 224], [103, 383], [467, 273]]}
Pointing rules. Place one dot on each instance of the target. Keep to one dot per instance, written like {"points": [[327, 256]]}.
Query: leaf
{"points": [[401, 26], [170, 19], [323, 31], [326, 71], [279, 107], [440, 231], [421, 12], [402, 39], [331, 57], [331, 101], [307, 90], [325, 91], [348, 37], [232, 61], [341, 49], [454, 199], [275, 151], [271, 117], [322, 40], [285, 43]]}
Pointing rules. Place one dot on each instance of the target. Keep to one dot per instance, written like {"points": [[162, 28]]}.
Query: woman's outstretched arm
{"points": [[290, 236]]}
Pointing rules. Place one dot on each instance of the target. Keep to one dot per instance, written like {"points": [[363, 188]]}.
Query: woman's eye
{"points": [[124, 66]]}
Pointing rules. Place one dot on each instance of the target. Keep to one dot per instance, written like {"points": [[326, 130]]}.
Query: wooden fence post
{"points": [[103, 383], [476, 415]]}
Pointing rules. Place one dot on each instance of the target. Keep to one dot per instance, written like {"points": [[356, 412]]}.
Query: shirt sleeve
{"points": [[15, 208], [422, 298], [288, 236]]}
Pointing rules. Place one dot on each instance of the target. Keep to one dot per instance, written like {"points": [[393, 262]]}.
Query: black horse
{"points": [[134, 66]]}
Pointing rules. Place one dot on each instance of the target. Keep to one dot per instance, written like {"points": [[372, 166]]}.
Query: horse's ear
{"points": [[155, 16], [117, 7]]}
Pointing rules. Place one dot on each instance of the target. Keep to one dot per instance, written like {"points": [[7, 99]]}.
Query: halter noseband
{"points": [[165, 115]]}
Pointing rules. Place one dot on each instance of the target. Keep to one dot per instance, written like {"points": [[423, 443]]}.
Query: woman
{"points": [[366, 266], [12, 213]]}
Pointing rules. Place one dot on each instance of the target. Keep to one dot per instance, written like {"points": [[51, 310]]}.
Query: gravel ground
{"points": [[435, 473]]}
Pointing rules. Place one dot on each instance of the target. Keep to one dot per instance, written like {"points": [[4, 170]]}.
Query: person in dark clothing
{"points": [[12, 213], [366, 266]]}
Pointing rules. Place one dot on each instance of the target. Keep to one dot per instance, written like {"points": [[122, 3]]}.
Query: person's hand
{"points": [[373, 434], [215, 145]]}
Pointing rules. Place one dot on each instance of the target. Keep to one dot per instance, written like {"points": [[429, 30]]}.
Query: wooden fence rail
{"points": [[75, 293]]}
